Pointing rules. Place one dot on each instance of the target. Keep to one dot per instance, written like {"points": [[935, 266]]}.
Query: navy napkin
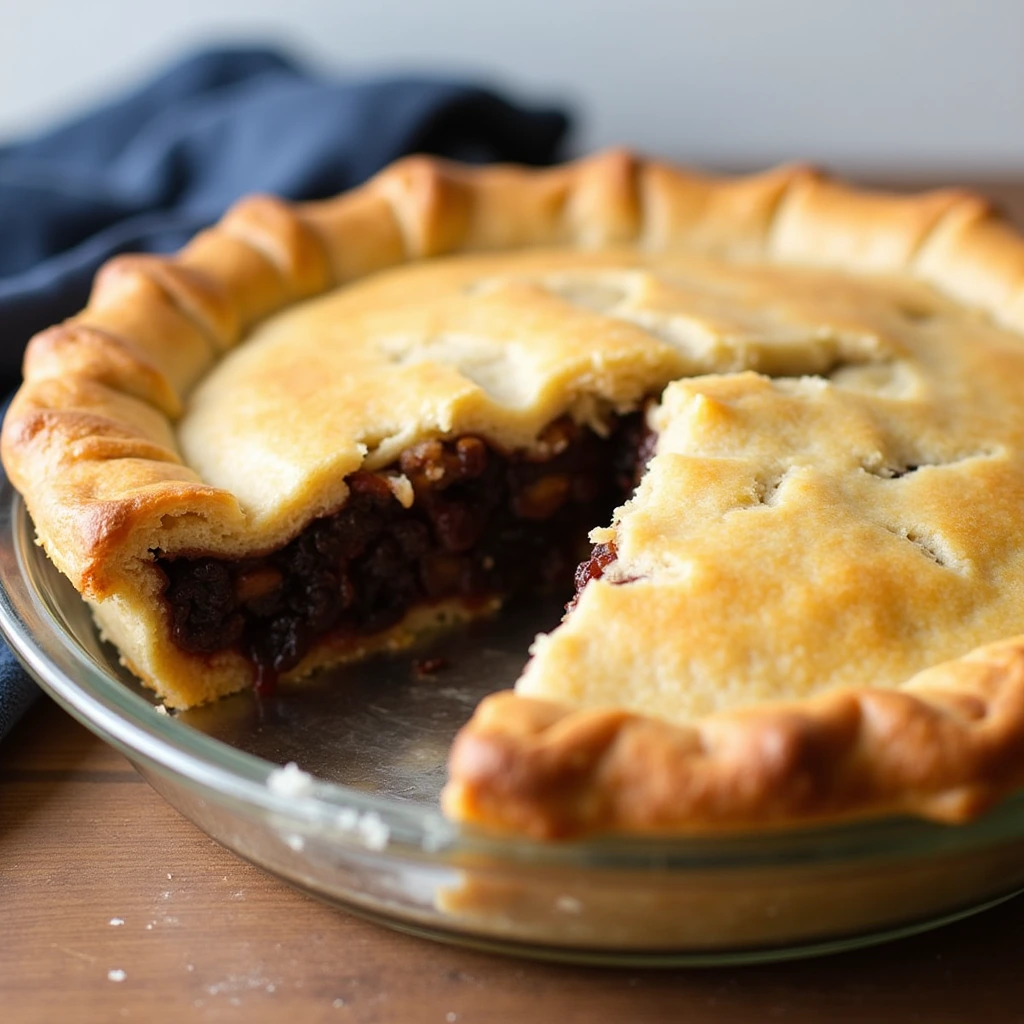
{"points": [[148, 170]]}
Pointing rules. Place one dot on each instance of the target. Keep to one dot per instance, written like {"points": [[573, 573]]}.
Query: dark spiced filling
{"points": [[482, 523], [593, 568]]}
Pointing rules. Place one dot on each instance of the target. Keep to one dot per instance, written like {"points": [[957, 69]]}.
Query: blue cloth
{"points": [[17, 691], [146, 171]]}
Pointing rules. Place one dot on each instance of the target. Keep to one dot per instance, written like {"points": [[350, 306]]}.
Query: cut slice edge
{"points": [[467, 527]]}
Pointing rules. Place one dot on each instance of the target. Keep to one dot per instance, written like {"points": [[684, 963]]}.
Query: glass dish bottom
{"points": [[366, 833]]}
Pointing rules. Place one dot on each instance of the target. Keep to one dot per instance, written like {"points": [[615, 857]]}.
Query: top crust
{"points": [[123, 443], [155, 326]]}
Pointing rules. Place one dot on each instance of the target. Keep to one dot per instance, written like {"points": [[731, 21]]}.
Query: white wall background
{"points": [[935, 85]]}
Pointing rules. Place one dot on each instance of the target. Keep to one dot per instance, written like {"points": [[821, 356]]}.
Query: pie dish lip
{"points": [[33, 598]]}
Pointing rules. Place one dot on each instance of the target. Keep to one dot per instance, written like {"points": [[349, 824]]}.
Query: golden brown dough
{"points": [[833, 510]]}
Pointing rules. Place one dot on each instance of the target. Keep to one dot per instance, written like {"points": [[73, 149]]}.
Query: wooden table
{"points": [[114, 907], [85, 845]]}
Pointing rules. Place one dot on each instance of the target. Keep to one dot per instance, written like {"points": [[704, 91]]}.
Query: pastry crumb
{"points": [[370, 827], [290, 780], [116, 975], [401, 488], [116, 922], [374, 831]]}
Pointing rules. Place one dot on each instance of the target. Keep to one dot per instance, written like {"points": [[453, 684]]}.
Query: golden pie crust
{"points": [[813, 586]]}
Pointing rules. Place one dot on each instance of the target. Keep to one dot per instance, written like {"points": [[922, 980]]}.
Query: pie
{"points": [[789, 412]]}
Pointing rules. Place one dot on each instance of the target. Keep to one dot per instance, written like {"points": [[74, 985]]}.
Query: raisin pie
{"points": [[788, 413]]}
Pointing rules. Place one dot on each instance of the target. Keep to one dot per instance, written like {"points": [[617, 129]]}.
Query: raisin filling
{"points": [[481, 523], [593, 568]]}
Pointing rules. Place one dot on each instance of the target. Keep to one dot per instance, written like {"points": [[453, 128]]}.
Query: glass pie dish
{"points": [[363, 829]]}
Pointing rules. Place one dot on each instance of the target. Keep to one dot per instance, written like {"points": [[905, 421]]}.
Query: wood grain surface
{"points": [[114, 908], [85, 843]]}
